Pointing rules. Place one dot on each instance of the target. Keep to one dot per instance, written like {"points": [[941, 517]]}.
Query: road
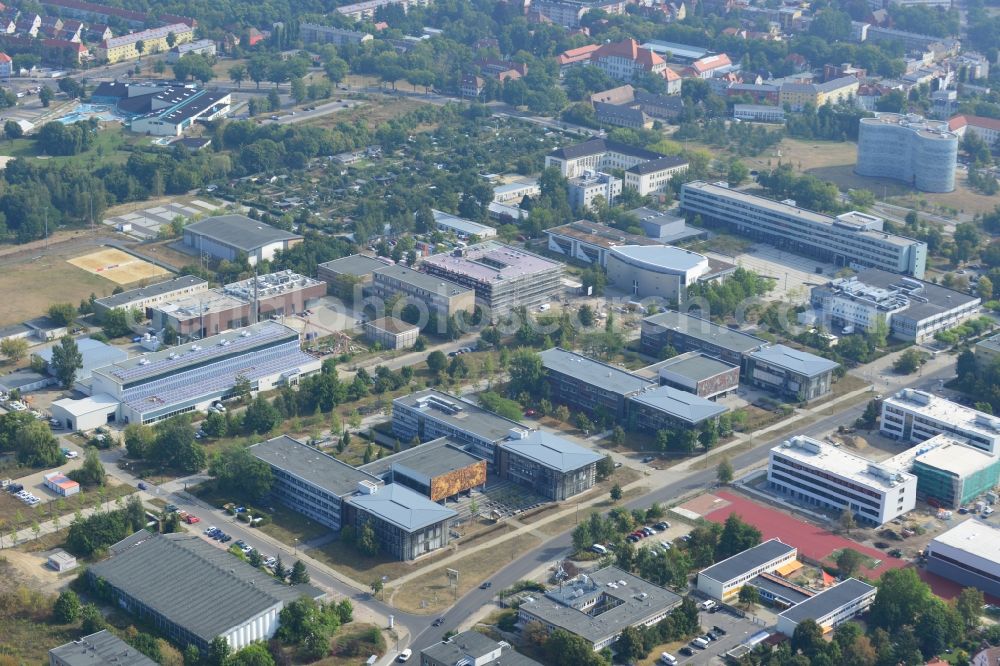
{"points": [[560, 546]]}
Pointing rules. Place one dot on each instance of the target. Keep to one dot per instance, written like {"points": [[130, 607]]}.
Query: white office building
{"points": [[853, 239], [916, 416], [814, 472]]}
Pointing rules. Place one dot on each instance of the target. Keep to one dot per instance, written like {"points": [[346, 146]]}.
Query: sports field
{"points": [[117, 266]]}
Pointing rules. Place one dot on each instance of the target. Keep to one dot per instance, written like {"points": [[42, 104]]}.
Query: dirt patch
{"points": [[117, 266], [35, 572]]}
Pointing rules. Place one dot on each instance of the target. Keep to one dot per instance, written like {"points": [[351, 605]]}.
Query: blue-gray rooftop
{"points": [[828, 601], [398, 505], [748, 560], [679, 404], [552, 451], [586, 369], [793, 360]]}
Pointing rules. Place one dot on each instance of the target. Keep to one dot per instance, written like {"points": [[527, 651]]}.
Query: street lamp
{"points": [[295, 546]]}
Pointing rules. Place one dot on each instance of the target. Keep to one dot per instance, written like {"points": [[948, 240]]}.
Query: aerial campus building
{"points": [[349, 277], [912, 309], [471, 648], [645, 171], [851, 239], [598, 606], [237, 304], [696, 373], [591, 242], [950, 473], [661, 271], [688, 333], [916, 416], [723, 580], [96, 650], [550, 465], [462, 227], [967, 555], [230, 236], [439, 469], [503, 277], [830, 608], [193, 592], [188, 377], [817, 473], [440, 298], [909, 148], [789, 372], [406, 523], [143, 298]]}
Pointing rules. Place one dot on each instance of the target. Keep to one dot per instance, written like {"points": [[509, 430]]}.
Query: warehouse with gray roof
{"points": [[98, 649], [230, 236], [194, 592], [144, 298]]}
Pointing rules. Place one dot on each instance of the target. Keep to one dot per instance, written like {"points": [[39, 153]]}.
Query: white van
{"points": [[544, 307], [700, 642], [707, 605], [668, 659], [599, 549]]}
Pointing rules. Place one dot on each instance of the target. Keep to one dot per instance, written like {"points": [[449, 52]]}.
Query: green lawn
{"points": [[106, 149]]}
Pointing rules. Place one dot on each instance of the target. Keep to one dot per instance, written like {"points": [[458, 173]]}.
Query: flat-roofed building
{"points": [[179, 110], [430, 414], [514, 192], [143, 298], [440, 469], [654, 175], [702, 375], [967, 555], [724, 579], [666, 227], [916, 416], [309, 481], [471, 648], [93, 353], [237, 304], [392, 333], [987, 351], [817, 473], [759, 113], [779, 592], [313, 33], [406, 523], [912, 309], [790, 372], [462, 227], [584, 189], [686, 333], [191, 376], [98, 649], [661, 271], [583, 383], [436, 298], [598, 606], [830, 608], [348, 277], [852, 239], [231, 236], [952, 474], [194, 592], [591, 242], [667, 408], [504, 277], [550, 465]]}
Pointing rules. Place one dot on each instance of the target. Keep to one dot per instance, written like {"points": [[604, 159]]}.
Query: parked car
{"points": [[226, 538], [142, 486], [438, 622], [191, 519], [648, 459], [662, 525], [686, 651], [171, 508], [404, 655], [211, 530], [719, 630], [486, 585]]}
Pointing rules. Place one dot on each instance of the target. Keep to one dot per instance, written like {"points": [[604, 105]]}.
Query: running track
{"points": [[814, 542]]}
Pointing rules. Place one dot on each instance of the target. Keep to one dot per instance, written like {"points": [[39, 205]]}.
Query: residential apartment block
{"points": [[852, 239], [797, 96], [154, 40], [313, 33]]}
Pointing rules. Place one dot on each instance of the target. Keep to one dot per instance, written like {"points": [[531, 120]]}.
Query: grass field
{"points": [[106, 149], [41, 281], [363, 569], [374, 112], [15, 514]]}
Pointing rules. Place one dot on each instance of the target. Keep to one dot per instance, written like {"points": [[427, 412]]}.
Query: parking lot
{"points": [[738, 630]]}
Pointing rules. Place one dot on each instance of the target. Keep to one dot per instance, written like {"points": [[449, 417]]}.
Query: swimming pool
{"points": [[85, 111]]}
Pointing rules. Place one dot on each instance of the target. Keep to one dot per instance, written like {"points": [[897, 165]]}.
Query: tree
{"points": [[984, 287], [242, 387], [908, 362], [749, 596], [847, 522], [299, 574], [214, 424], [436, 362], [367, 541], [66, 361], [724, 472], [376, 587], [92, 472], [91, 620], [66, 608], [140, 46], [45, 96], [808, 638], [36, 446], [735, 537], [62, 313], [139, 440], [14, 349], [240, 473], [279, 570], [12, 130], [238, 74], [605, 467], [171, 39], [738, 172], [255, 654], [527, 374], [260, 416], [218, 651], [900, 599], [849, 562], [629, 646], [970, 606], [616, 493], [116, 323], [255, 559]]}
